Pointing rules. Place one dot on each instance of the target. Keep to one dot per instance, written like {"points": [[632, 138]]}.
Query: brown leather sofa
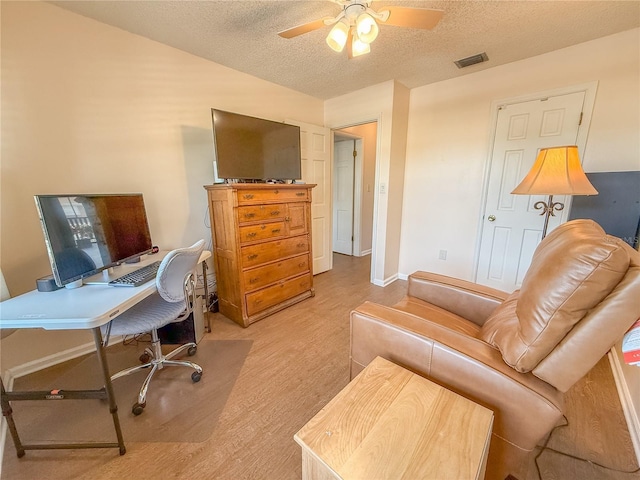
{"points": [[513, 353]]}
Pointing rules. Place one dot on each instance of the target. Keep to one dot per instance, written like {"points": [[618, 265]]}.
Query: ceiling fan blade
{"points": [[413, 17], [302, 29]]}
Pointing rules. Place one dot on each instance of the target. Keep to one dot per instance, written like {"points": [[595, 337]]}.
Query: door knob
{"points": [[491, 218]]}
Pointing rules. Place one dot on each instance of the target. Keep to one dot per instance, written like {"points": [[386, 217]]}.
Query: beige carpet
{"points": [[165, 418]]}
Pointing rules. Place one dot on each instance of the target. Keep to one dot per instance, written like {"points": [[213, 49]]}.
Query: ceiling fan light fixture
{"points": [[367, 28], [358, 24], [337, 37], [358, 47]]}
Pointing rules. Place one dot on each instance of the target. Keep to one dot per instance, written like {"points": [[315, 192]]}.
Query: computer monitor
{"points": [[87, 233]]}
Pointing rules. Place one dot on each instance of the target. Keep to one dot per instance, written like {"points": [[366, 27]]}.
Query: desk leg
{"points": [[113, 408], [7, 412]]}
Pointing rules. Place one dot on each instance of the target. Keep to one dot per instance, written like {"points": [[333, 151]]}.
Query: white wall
{"points": [[386, 103], [401, 96], [91, 108], [449, 140]]}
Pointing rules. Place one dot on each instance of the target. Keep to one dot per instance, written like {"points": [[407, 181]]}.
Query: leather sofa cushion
{"points": [[438, 315], [572, 270]]}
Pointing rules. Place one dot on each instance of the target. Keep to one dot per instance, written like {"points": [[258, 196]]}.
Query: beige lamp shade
{"points": [[367, 28], [358, 47], [338, 35], [556, 171]]}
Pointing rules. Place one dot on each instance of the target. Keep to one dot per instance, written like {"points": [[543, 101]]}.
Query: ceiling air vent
{"points": [[472, 60]]}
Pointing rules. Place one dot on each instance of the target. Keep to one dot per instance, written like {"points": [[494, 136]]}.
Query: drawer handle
{"points": [[275, 230], [277, 192], [254, 280], [251, 234], [287, 219], [300, 194], [249, 215], [301, 264], [258, 302], [301, 245], [253, 256], [262, 227], [275, 212], [248, 196]]}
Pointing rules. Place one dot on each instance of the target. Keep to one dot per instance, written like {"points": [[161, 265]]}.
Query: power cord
{"points": [[136, 339], [591, 462]]}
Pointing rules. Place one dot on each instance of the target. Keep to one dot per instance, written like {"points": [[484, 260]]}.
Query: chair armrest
{"points": [[525, 407], [467, 299]]}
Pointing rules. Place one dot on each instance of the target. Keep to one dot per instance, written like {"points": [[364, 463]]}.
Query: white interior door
{"points": [[343, 191], [315, 146], [512, 228]]}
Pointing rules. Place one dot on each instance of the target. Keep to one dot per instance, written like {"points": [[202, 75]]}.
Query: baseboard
{"points": [[9, 375], [364, 253], [387, 281], [633, 423]]}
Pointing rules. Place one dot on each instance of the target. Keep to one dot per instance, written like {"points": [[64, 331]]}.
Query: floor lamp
{"points": [[556, 171]]}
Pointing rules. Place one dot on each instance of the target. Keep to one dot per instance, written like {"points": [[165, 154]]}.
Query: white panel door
{"points": [[512, 228], [315, 146], [343, 186]]}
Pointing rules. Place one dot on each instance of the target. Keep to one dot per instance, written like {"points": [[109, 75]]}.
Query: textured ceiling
{"points": [[243, 35]]}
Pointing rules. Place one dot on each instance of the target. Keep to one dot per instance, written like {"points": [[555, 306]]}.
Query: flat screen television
{"points": [[248, 148], [86, 234]]}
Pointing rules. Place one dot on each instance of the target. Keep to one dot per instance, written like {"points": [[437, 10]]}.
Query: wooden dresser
{"points": [[262, 247]]}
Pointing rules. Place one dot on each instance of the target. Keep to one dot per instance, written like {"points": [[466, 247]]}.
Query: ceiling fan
{"points": [[357, 25]]}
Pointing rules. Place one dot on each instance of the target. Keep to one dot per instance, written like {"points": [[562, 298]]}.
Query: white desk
{"points": [[86, 307]]}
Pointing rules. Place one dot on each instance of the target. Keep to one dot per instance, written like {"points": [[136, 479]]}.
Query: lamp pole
{"points": [[548, 210]]}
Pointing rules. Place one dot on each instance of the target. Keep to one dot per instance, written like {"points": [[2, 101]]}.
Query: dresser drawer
{"points": [[251, 233], [267, 274], [249, 195], [254, 255], [257, 213], [270, 296]]}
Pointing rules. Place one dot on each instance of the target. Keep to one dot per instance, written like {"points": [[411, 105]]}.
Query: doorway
{"points": [[353, 176]]}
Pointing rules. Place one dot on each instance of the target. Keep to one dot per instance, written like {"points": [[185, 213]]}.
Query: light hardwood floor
{"points": [[261, 385]]}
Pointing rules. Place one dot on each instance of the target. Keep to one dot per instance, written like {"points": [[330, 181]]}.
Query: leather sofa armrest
{"points": [[525, 407], [467, 299]]}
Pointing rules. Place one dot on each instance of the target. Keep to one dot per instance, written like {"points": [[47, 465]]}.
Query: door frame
{"points": [[374, 235], [589, 90]]}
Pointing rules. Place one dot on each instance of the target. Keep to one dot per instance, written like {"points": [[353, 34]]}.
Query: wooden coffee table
{"points": [[390, 423]]}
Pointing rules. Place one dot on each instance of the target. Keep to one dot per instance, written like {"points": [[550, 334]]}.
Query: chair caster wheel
{"points": [[192, 351], [145, 358], [138, 408], [196, 376]]}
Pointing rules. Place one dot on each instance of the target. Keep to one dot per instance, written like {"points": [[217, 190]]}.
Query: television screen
{"points": [[249, 148], [86, 234]]}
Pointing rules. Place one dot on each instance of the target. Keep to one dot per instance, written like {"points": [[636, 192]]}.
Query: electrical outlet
{"points": [[442, 255]]}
